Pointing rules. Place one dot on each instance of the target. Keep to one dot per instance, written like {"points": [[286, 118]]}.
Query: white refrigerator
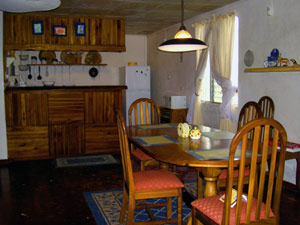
{"points": [[137, 79]]}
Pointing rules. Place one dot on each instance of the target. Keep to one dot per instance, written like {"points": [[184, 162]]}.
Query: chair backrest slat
{"points": [[255, 153], [146, 111], [249, 112], [267, 107]]}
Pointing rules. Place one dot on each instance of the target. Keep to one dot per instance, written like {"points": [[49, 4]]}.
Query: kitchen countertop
{"points": [[110, 87]]}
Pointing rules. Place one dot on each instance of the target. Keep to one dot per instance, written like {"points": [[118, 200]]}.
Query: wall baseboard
{"points": [[289, 185]]}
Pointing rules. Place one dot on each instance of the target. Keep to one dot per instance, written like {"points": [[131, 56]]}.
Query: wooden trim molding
{"points": [[3, 162]]}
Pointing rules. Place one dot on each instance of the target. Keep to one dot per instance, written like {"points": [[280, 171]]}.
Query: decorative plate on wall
{"points": [[249, 58], [49, 56], [93, 57]]}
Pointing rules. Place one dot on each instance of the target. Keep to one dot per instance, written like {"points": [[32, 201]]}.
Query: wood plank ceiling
{"points": [[141, 16]]}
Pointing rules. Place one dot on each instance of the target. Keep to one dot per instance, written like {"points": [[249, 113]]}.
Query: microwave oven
{"points": [[176, 102]]}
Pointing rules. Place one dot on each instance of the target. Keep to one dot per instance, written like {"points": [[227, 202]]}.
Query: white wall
{"points": [[257, 32], [3, 146], [136, 51]]}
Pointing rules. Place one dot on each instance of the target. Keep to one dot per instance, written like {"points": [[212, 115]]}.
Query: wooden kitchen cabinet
{"points": [[65, 106], [66, 139], [101, 139], [101, 134], [66, 122], [26, 108], [27, 124], [102, 34], [27, 142], [49, 122], [173, 115]]}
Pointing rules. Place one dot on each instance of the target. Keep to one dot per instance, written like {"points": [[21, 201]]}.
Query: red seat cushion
{"points": [[212, 207], [156, 179], [139, 154], [223, 174]]}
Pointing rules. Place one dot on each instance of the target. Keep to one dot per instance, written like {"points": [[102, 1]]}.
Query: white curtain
{"points": [[221, 52], [202, 32], [218, 33]]}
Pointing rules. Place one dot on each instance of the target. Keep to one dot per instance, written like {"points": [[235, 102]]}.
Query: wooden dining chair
{"points": [[148, 184], [143, 111], [261, 207], [249, 111], [267, 107]]}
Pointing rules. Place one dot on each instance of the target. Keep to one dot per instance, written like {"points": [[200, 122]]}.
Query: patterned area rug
{"points": [[106, 206], [85, 161]]}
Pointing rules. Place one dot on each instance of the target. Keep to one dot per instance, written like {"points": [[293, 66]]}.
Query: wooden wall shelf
{"points": [[60, 64], [273, 69]]}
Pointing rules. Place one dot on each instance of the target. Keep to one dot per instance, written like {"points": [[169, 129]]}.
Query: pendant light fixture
{"points": [[183, 41]]}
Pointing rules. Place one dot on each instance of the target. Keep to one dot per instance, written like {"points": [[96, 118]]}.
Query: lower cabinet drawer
{"points": [[101, 139], [28, 142]]}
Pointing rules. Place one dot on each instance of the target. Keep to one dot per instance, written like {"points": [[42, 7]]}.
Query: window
{"points": [[211, 91]]}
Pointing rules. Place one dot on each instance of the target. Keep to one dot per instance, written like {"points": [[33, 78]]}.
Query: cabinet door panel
{"points": [[66, 139], [99, 107], [101, 139], [27, 142], [26, 109], [65, 106]]}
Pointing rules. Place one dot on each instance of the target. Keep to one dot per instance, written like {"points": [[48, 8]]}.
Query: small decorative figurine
{"points": [[272, 59], [283, 61], [183, 130], [195, 133], [294, 62]]}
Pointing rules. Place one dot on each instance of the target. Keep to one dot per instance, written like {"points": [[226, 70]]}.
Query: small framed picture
{"points": [[37, 27], [59, 30], [80, 29]]}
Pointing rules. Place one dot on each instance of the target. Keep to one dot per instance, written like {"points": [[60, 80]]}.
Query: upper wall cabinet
{"points": [[72, 33]]}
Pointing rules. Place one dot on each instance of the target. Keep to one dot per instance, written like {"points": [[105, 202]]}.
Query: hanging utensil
{"points": [[39, 76], [46, 73], [29, 75]]}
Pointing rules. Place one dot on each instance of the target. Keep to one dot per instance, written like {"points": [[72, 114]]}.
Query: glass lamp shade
{"points": [[182, 45], [182, 33], [182, 42]]}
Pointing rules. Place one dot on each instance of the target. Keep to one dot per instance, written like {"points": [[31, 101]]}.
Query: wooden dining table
{"points": [[163, 143]]}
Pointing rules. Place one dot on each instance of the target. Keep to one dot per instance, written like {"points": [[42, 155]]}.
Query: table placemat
{"points": [[219, 153], [219, 135], [205, 129], [156, 140], [156, 126]]}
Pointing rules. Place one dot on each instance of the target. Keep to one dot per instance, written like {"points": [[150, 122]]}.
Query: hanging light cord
{"points": [[182, 13], [182, 41]]}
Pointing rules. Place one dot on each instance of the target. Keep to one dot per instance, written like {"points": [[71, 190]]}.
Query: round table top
{"points": [[177, 153]]}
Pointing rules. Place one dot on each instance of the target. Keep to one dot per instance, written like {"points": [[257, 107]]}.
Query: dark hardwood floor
{"points": [[37, 193]]}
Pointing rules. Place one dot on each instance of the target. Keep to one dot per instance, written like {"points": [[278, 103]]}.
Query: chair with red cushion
{"points": [[261, 207], [148, 184], [250, 111], [143, 111]]}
